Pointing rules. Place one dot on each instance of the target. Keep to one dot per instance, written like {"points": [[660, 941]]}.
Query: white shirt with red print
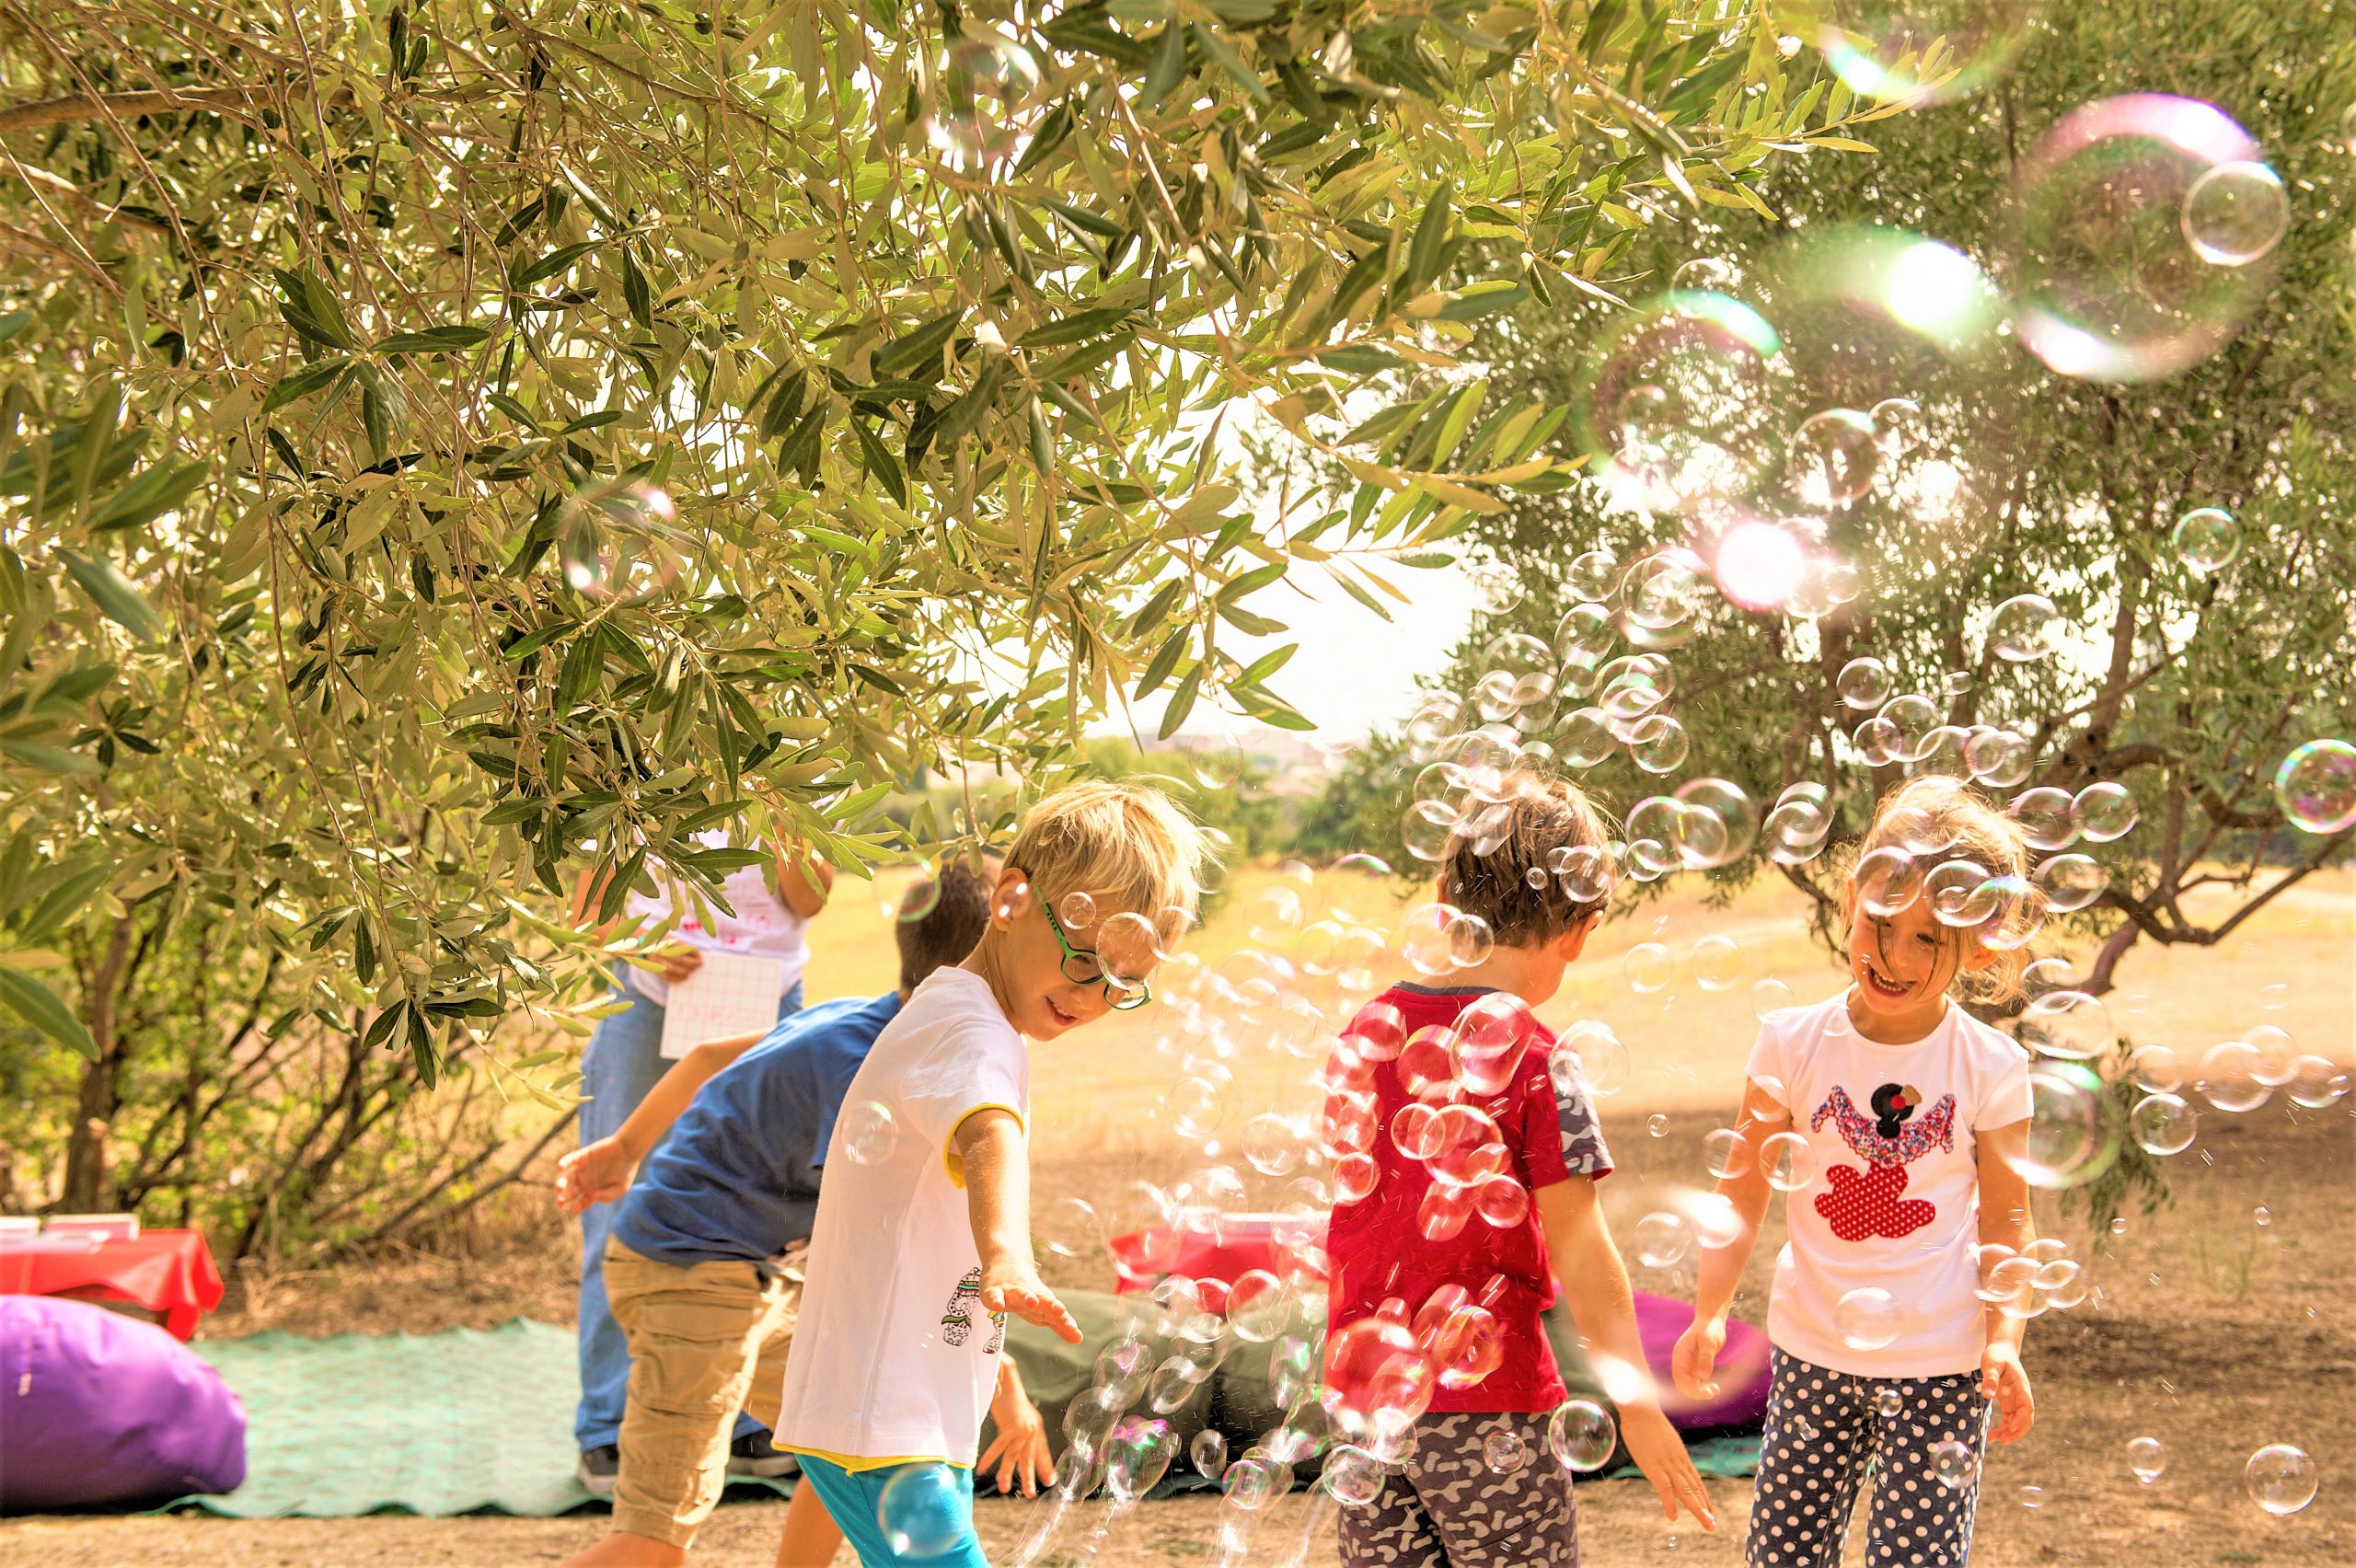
{"points": [[1893, 1204]]}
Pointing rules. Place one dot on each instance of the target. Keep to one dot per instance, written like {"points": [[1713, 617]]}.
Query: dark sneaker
{"points": [[597, 1469], [751, 1455]]}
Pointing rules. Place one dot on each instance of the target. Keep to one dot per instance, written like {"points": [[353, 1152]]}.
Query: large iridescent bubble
{"points": [[2106, 285], [1913, 51], [1674, 406]]}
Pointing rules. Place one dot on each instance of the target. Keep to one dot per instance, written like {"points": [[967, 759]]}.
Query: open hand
{"points": [[676, 961], [1016, 1287], [594, 1173], [1660, 1453], [1696, 1358], [2004, 1380], [1020, 1449]]}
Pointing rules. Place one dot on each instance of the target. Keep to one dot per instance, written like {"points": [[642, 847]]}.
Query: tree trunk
{"points": [[85, 1147]]}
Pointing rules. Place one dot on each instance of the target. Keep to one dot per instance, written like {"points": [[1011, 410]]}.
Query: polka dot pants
{"points": [[1827, 1432]]}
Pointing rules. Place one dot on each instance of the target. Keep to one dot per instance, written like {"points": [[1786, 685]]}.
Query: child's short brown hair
{"points": [[940, 920], [1539, 826]]}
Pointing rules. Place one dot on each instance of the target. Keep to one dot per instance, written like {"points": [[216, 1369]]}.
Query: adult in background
{"points": [[773, 905]]}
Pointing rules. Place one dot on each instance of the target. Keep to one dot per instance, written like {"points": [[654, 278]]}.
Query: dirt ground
{"points": [[2219, 1324]]}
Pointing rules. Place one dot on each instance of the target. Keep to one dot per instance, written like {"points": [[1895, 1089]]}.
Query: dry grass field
{"points": [[2210, 1329]]}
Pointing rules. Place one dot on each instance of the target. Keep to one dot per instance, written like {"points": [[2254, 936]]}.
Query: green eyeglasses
{"points": [[1087, 969]]}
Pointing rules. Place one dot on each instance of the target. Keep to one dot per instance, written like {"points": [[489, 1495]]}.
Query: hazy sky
{"points": [[1354, 670]]}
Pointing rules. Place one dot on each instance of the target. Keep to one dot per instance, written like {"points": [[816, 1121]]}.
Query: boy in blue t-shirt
{"points": [[703, 1265]]}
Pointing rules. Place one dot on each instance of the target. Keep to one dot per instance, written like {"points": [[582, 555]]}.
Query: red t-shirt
{"points": [[1379, 1244]]}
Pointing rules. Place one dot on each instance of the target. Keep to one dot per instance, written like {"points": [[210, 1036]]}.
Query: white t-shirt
{"points": [[1894, 1205], [763, 924], [894, 1359]]}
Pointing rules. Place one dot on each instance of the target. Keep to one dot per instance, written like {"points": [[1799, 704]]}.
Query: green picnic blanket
{"points": [[481, 1420]]}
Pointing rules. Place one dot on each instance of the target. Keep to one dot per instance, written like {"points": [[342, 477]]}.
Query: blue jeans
{"points": [[940, 1509], [623, 1064]]}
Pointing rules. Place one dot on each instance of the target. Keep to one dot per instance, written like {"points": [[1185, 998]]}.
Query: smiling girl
{"points": [[1914, 1115]]}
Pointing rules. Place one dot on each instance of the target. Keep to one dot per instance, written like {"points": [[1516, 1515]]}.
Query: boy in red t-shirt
{"points": [[1485, 1151]]}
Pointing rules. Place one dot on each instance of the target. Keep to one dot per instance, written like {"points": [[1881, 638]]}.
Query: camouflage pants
{"points": [[1449, 1509]]}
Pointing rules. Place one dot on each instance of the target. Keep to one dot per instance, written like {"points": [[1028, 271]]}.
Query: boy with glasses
{"points": [[920, 1252]]}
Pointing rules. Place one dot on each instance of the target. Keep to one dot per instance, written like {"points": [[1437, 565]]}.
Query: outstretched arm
{"points": [[2006, 1220], [599, 1172], [998, 1199], [1721, 1270], [1595, 1284]]}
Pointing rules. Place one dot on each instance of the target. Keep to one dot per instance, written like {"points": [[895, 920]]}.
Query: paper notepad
{"points": [[732, 993]]}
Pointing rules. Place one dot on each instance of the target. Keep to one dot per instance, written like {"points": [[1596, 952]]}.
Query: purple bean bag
{"points": [[1742, 1367], [96, 1407]]}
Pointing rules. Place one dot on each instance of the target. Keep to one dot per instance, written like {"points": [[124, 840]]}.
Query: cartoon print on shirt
{"points": [[957, 1324], [1869, 1202]]}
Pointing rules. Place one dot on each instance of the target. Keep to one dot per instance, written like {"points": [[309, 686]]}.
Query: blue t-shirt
{"points": [[737, 1179]]}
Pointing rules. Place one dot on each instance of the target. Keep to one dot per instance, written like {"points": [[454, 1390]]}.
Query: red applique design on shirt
{"points": [[1871, 1202]]}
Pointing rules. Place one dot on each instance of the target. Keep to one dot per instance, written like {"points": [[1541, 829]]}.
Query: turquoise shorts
{"points": [[935, 1505]]}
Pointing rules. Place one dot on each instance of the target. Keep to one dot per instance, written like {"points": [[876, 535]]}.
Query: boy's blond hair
{"points": [[1968, 827], [1128, 846], [1485, 868]]}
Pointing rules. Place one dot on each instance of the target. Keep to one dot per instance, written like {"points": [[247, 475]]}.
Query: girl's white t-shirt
{"points": [[1894, 1203], [894, 1360], [763, 924]]}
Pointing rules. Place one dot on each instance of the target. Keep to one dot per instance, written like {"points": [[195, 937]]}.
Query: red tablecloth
{"points": [[169, 1272]]}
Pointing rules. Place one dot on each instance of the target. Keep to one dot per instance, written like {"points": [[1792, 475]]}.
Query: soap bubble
{"points": [[1072, 1228], [2046, 975], [1592, 576], [1832, 456], [2023, 629], [2071, 882], [1662, 1240], [1864, 684], [1770, 995], [1425, 829], [1272, 1144], [1648, 967], [2104, 812], [1789, 1160], [2114, 280], [1899, 426], [1504, 1451], [1209, 1453], [2235, 214], [2206, 539], [1867, 1318], [1136, 1457], [2156, 1069], [2069, 1024], [1718, 824], [1716, 963], [1249, 1484], [985, 86], [2232, 1077], [1469, 1345], [2147, 1458], [619, 541], [2071, 1141], [2162, 1123], [2315, 786], [1355, 1477], [1491, 1036], [1888, 879], [1258, 1307], [1590, 1059], [1724, 1154], [921, 1511], [1196, 1106], [1501, 1200], [1659, 743], [2316, 1082], [1581, 1436], [2282, 1479], [1998, 758], [1797, 829], [1881, 47], [1076, 912], [1887, 1402], [1961, 893], [2047, 817], [1657, 1124], [2277, 1054], [869, 1132], [1951, 1464], [1379, 1381], [1675, 406]]}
